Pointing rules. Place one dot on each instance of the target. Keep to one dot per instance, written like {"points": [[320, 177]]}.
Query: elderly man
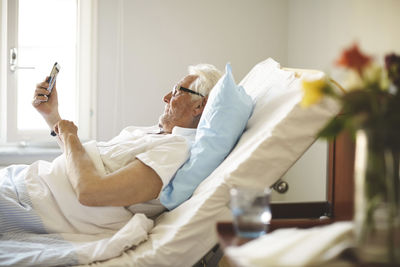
{"points": [[147, 158]]}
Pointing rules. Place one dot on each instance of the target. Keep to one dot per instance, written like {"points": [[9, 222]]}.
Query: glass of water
{"points": [[251, 211]]}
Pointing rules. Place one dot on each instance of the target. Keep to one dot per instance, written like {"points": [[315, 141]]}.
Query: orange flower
{"points": [[353, 58]]}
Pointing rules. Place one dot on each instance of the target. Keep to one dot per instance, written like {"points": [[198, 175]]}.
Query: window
{"points": [[34, 35]]}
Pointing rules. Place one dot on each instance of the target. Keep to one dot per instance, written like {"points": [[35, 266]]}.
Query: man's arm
{"points": [[47, 105], [135, 183]]}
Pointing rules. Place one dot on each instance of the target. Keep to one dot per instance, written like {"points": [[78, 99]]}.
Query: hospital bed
{"points": [[277, 134]]}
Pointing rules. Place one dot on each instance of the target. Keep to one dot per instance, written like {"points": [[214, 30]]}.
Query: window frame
{"points": [[86, 75]]}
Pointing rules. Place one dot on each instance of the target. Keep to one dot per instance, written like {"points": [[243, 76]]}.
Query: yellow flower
{"points": [[313, 91]]}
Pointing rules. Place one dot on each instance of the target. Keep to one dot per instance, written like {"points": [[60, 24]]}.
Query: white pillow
{"points": [[280, 130]]}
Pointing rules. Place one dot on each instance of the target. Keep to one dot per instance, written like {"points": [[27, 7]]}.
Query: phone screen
{"points": [[53, 76]]}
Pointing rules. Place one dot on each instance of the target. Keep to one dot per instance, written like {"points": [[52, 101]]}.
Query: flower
{"points": [[371, 99], [392, 63], [352, 58], [313, 91]]}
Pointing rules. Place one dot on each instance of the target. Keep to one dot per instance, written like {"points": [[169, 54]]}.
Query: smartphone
{"points": [[53, 76]]}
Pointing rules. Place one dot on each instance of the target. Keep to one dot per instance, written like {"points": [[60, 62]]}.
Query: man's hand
{"points": [[46, 104], [65, 128], [42, 101]]}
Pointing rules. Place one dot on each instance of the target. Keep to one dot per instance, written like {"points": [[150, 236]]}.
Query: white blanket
{"points": [[43, 224], [295, 247]]}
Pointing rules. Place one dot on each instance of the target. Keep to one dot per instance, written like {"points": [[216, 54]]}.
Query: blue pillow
{"points": [[222, 123]]}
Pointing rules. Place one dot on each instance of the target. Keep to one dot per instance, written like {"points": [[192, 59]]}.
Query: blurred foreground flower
{"points": [[313, 91], [392, 63], [372, 97], [352, 58]]}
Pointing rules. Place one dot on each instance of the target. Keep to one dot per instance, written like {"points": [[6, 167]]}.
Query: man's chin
{"points": [[161, 122], [161, 119]]}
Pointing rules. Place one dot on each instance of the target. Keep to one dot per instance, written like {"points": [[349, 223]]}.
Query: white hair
{"points": [[208, 76]]}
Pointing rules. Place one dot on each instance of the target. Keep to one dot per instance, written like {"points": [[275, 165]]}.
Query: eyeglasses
{"points": [[178, 87]]}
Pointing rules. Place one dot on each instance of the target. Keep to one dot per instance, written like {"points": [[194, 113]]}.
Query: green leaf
{"points": [[333, 127], [357, 101]]}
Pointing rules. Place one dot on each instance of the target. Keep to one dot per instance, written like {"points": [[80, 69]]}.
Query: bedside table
{"points": [[227, 237]]}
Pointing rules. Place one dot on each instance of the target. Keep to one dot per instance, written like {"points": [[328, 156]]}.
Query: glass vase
{"points": [[377, 203]]}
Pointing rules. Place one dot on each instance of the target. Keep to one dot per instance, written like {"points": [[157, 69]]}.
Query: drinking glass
{"points": [[251, 211]]}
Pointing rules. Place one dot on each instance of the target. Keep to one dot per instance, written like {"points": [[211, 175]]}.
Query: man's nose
{"points": [[167, 97]]}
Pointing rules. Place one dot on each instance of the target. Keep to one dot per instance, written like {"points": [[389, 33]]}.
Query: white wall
{"points": [[146, 46], [318, 30]]}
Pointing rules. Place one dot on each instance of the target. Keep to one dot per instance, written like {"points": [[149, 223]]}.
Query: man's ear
{"points": [[199, 105]]}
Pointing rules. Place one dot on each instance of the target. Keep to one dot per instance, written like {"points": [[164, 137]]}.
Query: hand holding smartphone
{"points": [[53, 76], [52, 80]]}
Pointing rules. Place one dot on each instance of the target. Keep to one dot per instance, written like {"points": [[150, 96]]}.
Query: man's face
{"points": [[179, 109]]}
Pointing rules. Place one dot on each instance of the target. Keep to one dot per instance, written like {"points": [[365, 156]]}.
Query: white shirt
{"points": [[164, 153]]}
